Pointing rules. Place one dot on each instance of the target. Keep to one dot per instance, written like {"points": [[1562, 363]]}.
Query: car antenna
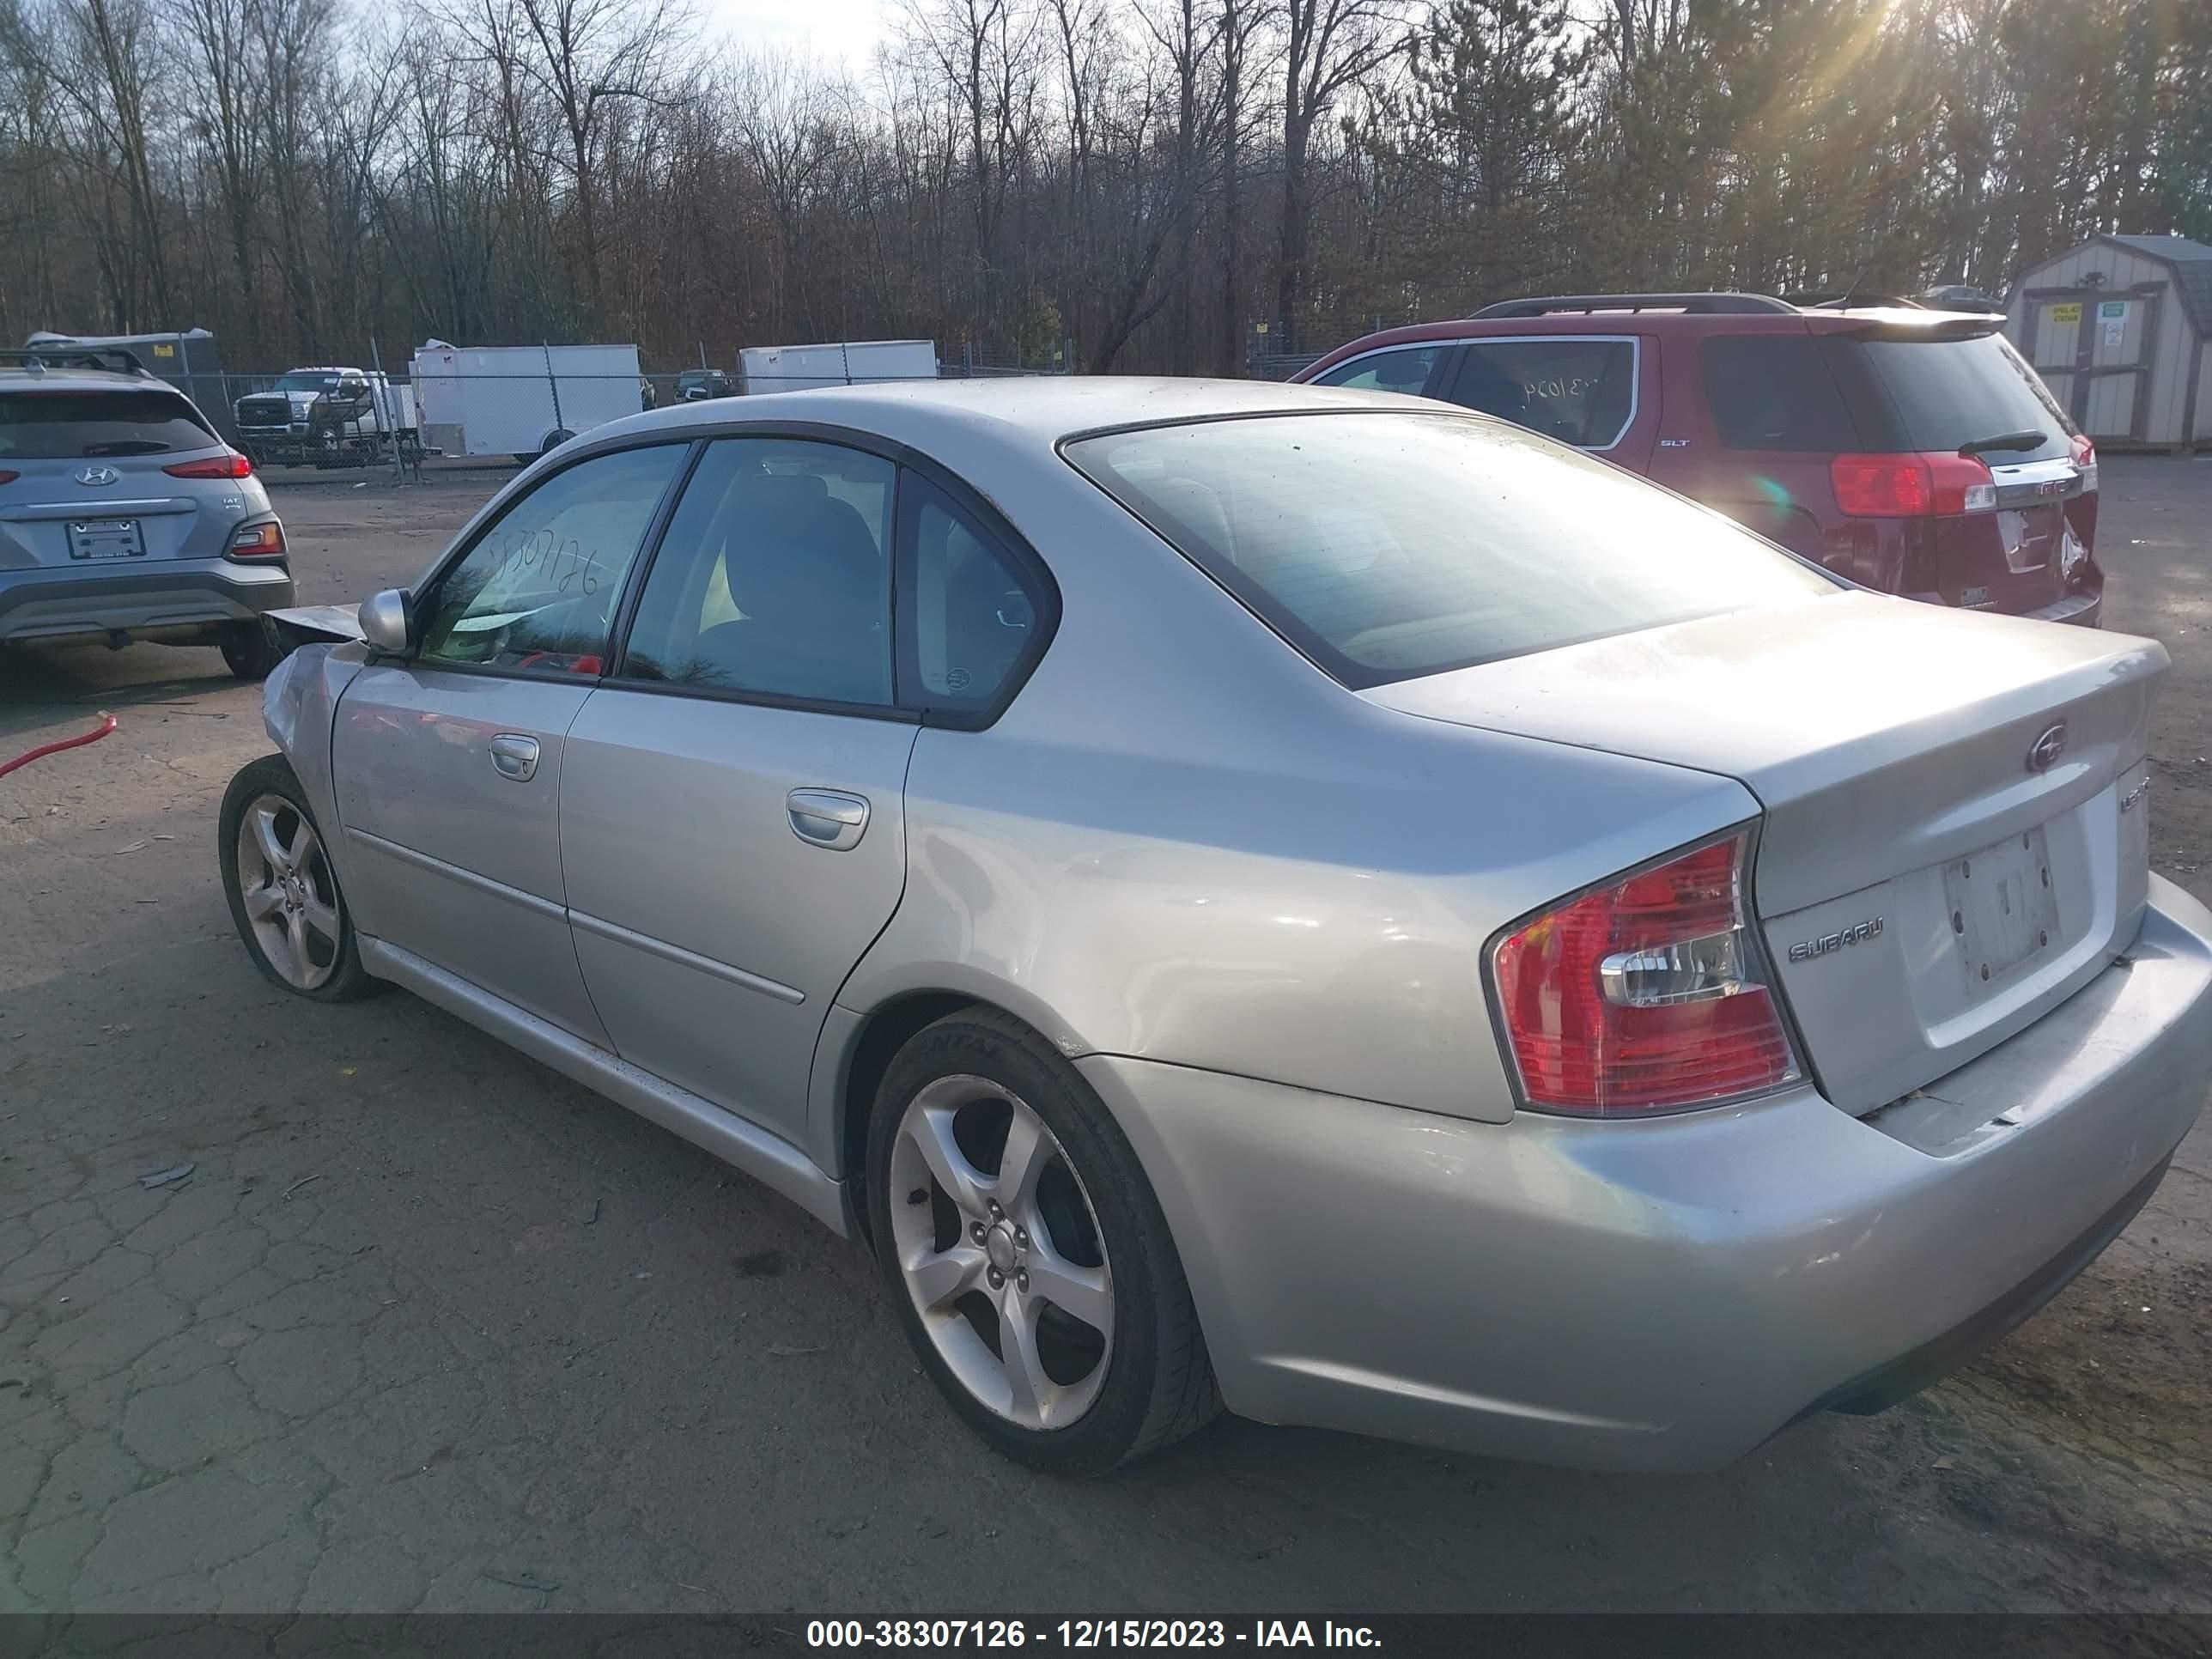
{"points": [[1845, 304]]}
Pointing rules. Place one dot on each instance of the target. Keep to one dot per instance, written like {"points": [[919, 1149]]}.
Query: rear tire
{"points": [[555, 442], [253, 649], [284, 891], [1115, 1366]]}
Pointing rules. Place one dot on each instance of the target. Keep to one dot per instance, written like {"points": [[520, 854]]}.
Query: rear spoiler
{"points": [[112, 358], [1939, 326], [310, 624]]}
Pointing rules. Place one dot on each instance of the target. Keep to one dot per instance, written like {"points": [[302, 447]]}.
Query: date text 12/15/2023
{"points": [[1086, 1633]]}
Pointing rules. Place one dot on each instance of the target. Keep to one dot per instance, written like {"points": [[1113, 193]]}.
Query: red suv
{"points": [[1911, 451]]}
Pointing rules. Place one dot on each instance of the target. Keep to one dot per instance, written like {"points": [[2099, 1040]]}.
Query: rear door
{"points": [[90, 492], [449, 763], [731, 812]]}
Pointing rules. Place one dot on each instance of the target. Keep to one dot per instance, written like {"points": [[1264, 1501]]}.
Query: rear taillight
{"points": [[230, 465], [1647, 995], [259, 541], [2084, 462], [1911, 486], [7, 476]]}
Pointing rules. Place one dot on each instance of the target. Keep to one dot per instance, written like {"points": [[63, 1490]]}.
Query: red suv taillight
{"points": [[230, 465], [2084, 462], [1646, 995], [1911, 486]]}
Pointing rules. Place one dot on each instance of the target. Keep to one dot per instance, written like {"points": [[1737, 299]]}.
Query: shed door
{"points": [[2094, 348]]}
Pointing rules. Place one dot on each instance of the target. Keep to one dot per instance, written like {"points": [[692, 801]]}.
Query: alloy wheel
{"points": [[291, 898], [1000, 1247]]}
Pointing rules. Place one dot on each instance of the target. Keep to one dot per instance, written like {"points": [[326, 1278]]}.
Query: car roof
{"points": [[1044, 407], [1661, 323], [16, 377]]}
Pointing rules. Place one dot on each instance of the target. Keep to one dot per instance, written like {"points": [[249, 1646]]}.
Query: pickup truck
{"points": [[325, 417]]}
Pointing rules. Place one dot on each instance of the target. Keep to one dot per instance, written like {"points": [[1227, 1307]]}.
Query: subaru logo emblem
{"points": [[2043, 754], [94, 476]]}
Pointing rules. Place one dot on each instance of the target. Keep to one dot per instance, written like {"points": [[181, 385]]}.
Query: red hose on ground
{"points": [[106, 725]]}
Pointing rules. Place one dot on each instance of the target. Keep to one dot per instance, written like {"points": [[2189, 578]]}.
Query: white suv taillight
{"points": [[1648, 995]]}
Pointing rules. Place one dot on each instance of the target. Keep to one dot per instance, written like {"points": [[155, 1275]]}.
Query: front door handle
{"points": [[828, 817], [514, 756]]}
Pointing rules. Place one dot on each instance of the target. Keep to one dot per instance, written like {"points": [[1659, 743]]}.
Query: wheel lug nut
{"points": [[1022, 1237], [1022, 1278], [997, 1279], [976, 1231], [997, 1214]]}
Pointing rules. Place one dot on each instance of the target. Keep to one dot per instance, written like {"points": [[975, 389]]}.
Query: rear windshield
{"points": [[1389, 544], [1946, 393], [60, 426], [297, 382], [1833, 394]]}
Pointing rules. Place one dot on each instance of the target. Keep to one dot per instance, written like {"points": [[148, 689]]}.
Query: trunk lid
{"points": [[1936, 869], [90, 489]]}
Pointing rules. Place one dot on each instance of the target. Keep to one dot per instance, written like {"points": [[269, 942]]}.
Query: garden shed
{"points": [[2119, 327]]}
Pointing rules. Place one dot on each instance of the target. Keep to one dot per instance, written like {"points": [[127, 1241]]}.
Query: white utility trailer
{"points": [[847, 362], [519, 400]]}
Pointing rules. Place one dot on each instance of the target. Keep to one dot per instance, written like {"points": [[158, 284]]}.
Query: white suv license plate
{"points": [[2004, 909], [106, 539]]}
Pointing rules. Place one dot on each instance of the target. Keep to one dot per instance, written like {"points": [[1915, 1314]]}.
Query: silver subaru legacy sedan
{"points": [[1299, 900]]}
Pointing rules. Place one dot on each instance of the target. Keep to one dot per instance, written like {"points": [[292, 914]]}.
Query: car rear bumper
{"points": [[1665, 1295], [150, 599], [2084, 609]]}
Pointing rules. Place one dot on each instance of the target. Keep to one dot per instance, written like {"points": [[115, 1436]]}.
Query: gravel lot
{"points": [[429, 1328]]}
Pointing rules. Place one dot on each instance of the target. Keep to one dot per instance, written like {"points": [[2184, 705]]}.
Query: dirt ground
{"points": [[429, 1328]]}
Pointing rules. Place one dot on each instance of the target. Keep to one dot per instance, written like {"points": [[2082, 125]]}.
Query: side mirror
{"points": [[384, 622]]}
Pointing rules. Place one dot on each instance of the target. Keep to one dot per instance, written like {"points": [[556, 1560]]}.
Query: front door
{"points": [[449, 763], [732, 799]]}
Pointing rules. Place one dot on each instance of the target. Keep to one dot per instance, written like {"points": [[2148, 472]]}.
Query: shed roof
{"points": [[2191, 264]]}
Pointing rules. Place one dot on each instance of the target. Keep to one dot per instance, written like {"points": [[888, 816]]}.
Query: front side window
{"points": [[1407, 370], [539, 588], [1387, 544], [774, 576], [1577, 390]]}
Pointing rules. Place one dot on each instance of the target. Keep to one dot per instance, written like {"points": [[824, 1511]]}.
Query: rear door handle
{"points": [[514, 756], [828, 817]]}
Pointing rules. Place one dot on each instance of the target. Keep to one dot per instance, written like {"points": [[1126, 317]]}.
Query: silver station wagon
{"points": [[1296, 900]]}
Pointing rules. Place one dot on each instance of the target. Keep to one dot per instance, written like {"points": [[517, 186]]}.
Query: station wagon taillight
{"points": [[1645, 995], [229, 464], [1912, 486]]}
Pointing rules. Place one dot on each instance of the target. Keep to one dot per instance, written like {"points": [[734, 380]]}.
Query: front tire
{"points": [[1026, 1254], [283, 892]]}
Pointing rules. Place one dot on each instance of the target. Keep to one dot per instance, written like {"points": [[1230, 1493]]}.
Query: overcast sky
{"points": [[828, 29]]}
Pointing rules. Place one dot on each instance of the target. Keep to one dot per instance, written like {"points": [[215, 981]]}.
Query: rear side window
{"points": [[1406, 370], [64, 426], [1579, 391], [1946, 393], [1387, 544], [976, 620], [1775, 391]]}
